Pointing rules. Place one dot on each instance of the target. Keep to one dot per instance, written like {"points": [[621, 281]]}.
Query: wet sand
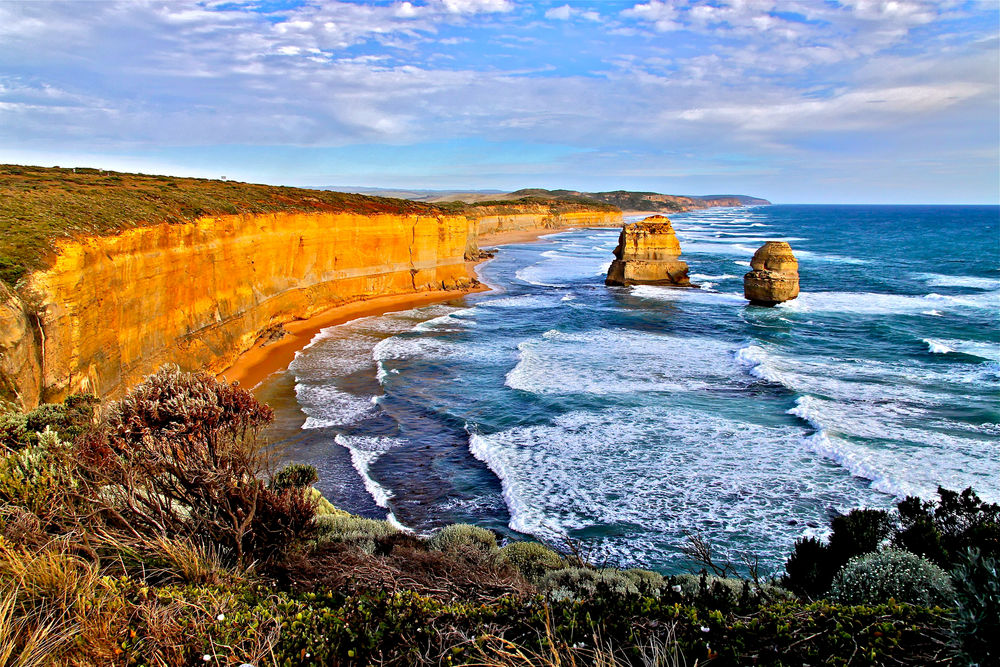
{"points": [[260, 361], [264, 359]]}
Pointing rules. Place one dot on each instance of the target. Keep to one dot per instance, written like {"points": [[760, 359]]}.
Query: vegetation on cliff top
{"points": [[155, 531], [40, 205]]}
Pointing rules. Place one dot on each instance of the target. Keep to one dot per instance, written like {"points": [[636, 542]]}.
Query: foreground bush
{"points": [[463, 536], [531, 559], [179, 457], [899, 575], [941, 531], [977, 593]]}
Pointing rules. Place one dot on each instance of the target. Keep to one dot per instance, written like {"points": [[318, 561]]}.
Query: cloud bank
{"points": [[743, 92]]}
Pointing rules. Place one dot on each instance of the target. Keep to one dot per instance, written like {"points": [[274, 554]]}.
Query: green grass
{"points": [[40, 205]]}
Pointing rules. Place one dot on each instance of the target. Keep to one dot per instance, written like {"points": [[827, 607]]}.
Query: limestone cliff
{"points": [[648, 253], [495, 220], [774, 275], [109, 309], [20, 351]]}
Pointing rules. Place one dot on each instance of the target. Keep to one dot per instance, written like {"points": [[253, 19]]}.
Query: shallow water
{"points": [[631, 417]]}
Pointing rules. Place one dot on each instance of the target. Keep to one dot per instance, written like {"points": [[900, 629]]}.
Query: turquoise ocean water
{"points": [[629, 418]]}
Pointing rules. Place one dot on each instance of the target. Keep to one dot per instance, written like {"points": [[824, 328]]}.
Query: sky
{"points": [[797, 101]]}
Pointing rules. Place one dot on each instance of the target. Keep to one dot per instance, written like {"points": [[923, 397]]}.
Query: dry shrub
{"points": [[402, 563], [180, 457]]}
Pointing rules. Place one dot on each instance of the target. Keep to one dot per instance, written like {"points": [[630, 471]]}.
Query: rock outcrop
{"points": [[647, 254], [774, 275]]}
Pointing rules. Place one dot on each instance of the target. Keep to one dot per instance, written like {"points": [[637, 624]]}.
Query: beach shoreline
{"points": [[267, 357]]}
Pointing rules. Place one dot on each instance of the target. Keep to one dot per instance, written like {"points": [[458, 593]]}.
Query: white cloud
{"points": [[566, 12], [662, 14], [477, 6], [559, 13]]}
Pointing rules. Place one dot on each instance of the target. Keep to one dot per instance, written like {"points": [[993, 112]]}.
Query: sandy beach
{"points": [[263, 359]]}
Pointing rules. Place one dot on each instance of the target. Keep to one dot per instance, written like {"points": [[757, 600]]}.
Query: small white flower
{"points": [[220, 617], [676, 589], [704, 629], [207, 657]]}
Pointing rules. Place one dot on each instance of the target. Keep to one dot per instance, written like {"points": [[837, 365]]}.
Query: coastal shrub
{"points": [[858, 532], [977, 607], [577, 583], [38, 478], [724, 592], [944, 530], [323, 506], [531, 558], [179, 457], [893, 573], [13, 429], [810, 568], [350, 529], [647, 582], [463, 536], [294, 476]]}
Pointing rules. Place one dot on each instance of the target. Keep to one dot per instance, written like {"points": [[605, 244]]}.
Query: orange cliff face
{"points": [[112, 309], [115, 308], [539, 217]]}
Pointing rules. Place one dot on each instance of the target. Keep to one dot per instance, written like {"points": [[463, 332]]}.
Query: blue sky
{"points": [[880, 101]]}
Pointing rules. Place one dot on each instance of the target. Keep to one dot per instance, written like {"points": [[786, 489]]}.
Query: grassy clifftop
{"points": [[40, 205]]}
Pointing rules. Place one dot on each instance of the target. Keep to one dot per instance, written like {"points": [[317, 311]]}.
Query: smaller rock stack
{"points": [[647, 254], [774, 275]]}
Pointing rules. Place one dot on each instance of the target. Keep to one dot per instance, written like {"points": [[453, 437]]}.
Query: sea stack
{"points": [[774, 275], [647, 254]]}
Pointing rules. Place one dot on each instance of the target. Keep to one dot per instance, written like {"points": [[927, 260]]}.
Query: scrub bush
{"points": [[531, 559], [977, 607], [463, 536], [294, 476], [945, 530], [179, 457], [900, 575], [350, 529], [580, 583]]}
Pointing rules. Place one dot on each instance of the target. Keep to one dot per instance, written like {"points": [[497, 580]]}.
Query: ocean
{"points": [[627, 419]]}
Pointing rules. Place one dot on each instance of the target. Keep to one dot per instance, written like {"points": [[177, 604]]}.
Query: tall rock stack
{"points": [[647, 254], [774, 275]]}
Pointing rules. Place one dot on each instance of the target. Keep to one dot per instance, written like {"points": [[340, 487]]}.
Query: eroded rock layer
{"points": [[111, 309], [648, 254], [774, 275]]}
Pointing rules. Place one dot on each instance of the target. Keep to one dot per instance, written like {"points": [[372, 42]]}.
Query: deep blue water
{"points": [[629, 418]]}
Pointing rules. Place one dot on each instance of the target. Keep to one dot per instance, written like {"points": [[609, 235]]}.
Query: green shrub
{"points": [[858, 532], [945, 530], [531, 558], [13, 430], [69, 419], [580, 583], [977, 607], [323, 506], [350, 529], [725, 592], [810, 568], [647, 582], [905, 577], [37, 478], [294, 476], [463, 536]]}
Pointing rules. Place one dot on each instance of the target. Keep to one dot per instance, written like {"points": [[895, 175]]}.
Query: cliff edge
{"points": [[107, 279]]}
